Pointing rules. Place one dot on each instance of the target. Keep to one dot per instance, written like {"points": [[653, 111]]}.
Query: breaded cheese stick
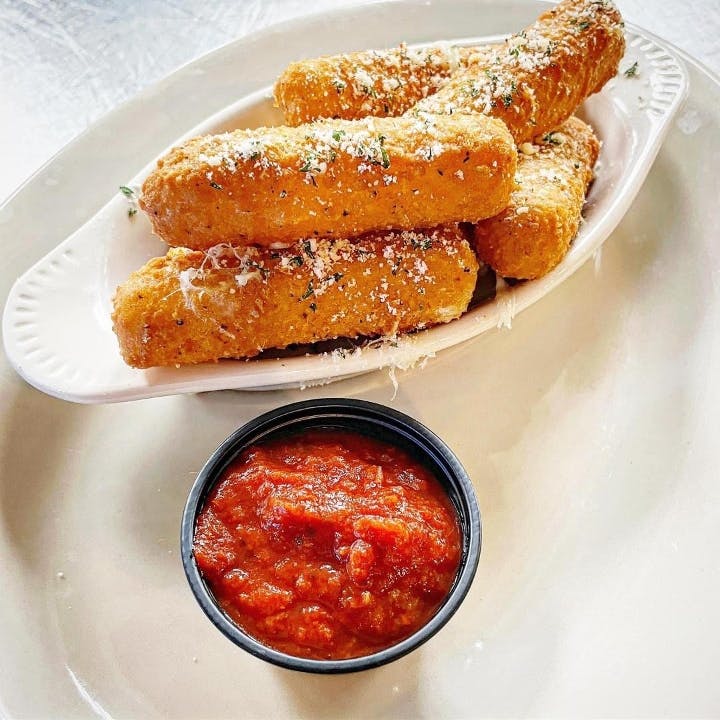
{"points": [[334, 178], [532, 235], [230, 302], [383, 83], [538, 77]]}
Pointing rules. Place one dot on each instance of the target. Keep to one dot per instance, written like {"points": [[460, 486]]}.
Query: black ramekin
{"points": [[368, 419]]}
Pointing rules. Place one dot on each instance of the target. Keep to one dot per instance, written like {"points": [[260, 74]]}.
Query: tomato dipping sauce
{"points": [[328, 544]]}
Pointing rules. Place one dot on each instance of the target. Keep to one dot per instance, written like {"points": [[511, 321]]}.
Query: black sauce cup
{"points": [[365, 418]]}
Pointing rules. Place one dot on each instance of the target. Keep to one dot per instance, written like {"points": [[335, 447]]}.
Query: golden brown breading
{"points": [[538, 77], [194, 306], [532, 235], [334, 178], [383, 83]]}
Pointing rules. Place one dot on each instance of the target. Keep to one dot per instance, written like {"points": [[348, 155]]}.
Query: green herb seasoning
{"points": [[632, 71], [385, 162], [550, 139], [129, 194]]}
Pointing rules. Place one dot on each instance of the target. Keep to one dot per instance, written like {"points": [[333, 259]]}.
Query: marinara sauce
{"points": [[329, 544]]}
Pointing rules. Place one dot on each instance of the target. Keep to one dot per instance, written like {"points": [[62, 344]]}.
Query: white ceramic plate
{"points": [[57, 327], [589, 430]]}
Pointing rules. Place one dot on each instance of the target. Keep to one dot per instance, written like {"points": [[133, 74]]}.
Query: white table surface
{"points": [[64, 64]]}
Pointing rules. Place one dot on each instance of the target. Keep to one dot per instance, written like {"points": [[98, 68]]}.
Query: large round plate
{"points": [[589, 429]]}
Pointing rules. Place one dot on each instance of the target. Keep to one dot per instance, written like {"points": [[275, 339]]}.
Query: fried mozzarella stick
{"points": [[383, 83], [335, 178], [538, 77], [234, 302], [532, 235]]}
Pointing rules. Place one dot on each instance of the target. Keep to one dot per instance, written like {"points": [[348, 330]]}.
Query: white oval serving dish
{"points": [[57, 328]]}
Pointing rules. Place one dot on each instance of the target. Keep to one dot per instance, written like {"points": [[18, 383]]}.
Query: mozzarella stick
{"points": [[532, 235], [538, 77], [383, 83], [234, 302], [336, 178]]}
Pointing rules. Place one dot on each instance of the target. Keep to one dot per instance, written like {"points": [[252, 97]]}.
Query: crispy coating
{"points": [[532, 235], [383, 83], [334, 178], [536, 79], [230, 302]]}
